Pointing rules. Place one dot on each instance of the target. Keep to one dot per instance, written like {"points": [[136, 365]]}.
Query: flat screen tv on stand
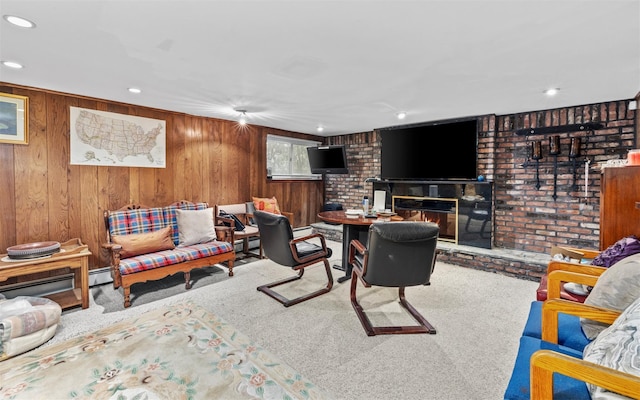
{"points": [[444, 150], [328, 159]]}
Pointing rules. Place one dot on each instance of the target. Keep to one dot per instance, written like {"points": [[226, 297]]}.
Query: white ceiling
{"points": [[349, 66]]}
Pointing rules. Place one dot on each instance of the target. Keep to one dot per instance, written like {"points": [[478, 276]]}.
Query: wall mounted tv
{"points": [[446, 150], [328, 160]]}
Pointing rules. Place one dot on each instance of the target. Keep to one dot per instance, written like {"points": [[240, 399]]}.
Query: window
{"points": [[287, 158]]}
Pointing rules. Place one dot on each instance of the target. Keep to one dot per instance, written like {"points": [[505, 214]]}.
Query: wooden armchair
{"points": [[554, 265], [547, 365], [544, 363], [244, 212]]}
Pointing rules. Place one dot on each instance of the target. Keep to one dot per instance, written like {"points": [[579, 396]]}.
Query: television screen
{"points": [[328, 160], [437, 151]]}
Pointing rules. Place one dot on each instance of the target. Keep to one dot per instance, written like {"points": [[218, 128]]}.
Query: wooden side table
{"points": [[73, 254]]}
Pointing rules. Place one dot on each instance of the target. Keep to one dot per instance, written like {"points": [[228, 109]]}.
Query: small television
{"points": [[328, 159], [446, 150]]}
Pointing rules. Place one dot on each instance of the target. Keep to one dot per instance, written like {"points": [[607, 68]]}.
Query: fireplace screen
{"points": [[442, 211]]}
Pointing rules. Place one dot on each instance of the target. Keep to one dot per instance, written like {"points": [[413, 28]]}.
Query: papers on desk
{"points": [[379, 199]]}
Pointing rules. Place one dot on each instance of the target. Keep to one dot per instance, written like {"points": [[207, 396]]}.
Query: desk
{"points": [[73, 254], [352, 228]]}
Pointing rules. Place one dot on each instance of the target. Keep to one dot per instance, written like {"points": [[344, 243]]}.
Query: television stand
{"points": [[456, 205]]}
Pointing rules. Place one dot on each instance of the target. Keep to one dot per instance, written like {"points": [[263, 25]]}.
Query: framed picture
{"points": [[14, 119]]}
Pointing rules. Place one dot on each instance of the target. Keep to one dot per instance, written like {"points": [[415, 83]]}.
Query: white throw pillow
{"points": [[615, 289], [617, 347], [195, 226]]}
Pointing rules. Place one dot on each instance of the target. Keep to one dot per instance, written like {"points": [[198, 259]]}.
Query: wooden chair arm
{"points": [[250, 219], [220, 220], [225, 233], [323, 244], [556, 278], [357, 247], [112, 247], [551, 309], [545, 362], [587, 253], [573, 267], [289, 216]]}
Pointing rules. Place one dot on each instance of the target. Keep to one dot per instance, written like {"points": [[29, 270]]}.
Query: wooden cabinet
{"points": [[619, 194]]}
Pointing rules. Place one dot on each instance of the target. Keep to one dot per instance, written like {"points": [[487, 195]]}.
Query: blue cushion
{"points": [[570, 332], [564, 388]]}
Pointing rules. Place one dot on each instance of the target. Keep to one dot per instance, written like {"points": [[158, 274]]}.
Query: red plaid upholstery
{"points": [[142, 220], [201, 250], [144, 262]]}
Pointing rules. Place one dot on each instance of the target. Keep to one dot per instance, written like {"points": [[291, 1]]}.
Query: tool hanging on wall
{"points": [[554, 150], [536, 154], [574, 152]]}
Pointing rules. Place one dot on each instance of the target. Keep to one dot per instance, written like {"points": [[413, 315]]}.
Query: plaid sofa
{"points": [[135, 219]]}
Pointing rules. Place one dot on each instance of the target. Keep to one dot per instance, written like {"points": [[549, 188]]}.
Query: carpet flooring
{"points": [[143, 293], [479, 317], [178, 351]]}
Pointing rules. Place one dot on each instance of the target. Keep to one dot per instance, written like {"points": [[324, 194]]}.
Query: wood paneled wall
{"points": [[45, 198]]}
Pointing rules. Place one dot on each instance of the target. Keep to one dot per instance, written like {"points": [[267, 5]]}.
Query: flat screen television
{"points": [[434, 151], [328, 159]]}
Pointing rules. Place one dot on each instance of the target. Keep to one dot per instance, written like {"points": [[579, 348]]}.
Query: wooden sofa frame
{"points": [[223, 233]]}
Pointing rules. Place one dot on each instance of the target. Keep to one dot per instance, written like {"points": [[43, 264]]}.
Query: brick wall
{"points": [[526, 218], [363, 158]]}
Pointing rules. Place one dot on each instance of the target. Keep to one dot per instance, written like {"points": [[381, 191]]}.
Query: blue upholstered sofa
{"points": [[549, 363], [150, 243]]}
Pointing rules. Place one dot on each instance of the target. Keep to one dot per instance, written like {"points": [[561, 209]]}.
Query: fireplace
{"points": [[442, 211], [462, 209]]}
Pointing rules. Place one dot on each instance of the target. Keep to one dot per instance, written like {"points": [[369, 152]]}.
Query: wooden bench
{"points": [[139, 250]]}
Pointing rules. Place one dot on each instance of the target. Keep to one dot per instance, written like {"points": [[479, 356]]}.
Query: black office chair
{"points": [[399, 254], [279, 246]]}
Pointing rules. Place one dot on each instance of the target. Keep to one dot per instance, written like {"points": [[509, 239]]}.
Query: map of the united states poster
{"points": [[110, 139]]}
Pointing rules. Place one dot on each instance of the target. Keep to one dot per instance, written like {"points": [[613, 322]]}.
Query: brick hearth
{"points": [[520, 264]]}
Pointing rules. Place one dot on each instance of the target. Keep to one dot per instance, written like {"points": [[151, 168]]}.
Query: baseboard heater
{"points": [[99, 276], [47, 286], [38, 287]]}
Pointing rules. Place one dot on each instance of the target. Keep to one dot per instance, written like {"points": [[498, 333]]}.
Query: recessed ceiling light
{"points": [[320, 128], [401, 115], [135, 90], [12, 64], [551, 91], [242, 118], [17, 21]]}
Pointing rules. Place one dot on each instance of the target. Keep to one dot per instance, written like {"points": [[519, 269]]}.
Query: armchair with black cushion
{"points": [[281, 247], [399, 254]]}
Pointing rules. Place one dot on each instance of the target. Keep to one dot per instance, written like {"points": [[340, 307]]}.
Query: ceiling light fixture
{"points": [[18, 21], [135, 90], [320, 128], [12, 64], [242, 119], [551, 92], [401, 115]]}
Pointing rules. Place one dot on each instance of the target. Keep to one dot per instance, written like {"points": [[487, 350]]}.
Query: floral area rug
{"points": [[178, 352]]}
